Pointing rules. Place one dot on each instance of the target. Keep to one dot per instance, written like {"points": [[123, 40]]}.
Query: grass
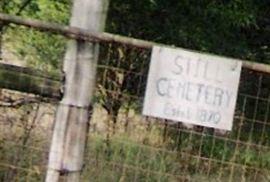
{"points": [[142, 153]]}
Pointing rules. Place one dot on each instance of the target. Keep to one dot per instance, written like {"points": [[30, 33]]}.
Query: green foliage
{"points": [[235, 28], [7, 6], [41, 50], [229, 28], [125, 160]]}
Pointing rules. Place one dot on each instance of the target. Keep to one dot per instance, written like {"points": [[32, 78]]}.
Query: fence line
{"points": [[180, 154], [81, 34], [30, 80], [144, 148]]}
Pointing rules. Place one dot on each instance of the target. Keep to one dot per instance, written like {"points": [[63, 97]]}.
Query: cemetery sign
{"points": [[192, 87]]}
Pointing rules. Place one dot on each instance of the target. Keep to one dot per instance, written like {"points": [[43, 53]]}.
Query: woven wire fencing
{"points": [[123, 145], [25, 130], [28, 102], [126, 146]]}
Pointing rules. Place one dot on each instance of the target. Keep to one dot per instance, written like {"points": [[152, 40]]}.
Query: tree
{"points": [[40, 50], [6, 7], [236, 28]]}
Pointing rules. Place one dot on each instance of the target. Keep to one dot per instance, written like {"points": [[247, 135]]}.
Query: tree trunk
{"points": [[72, 117]]}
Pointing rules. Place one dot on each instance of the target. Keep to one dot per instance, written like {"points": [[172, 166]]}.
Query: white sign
{"points": [[192, 87]]}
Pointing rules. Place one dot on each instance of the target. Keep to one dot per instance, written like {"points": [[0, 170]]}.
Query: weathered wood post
{"points": [[72, 117]]}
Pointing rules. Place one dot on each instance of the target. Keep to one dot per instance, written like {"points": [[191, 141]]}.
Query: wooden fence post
{"points": [[72, 117]]}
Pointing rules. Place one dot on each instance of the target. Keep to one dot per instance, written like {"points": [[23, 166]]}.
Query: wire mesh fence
{"points": [[140, 148], [123, 145], [25, 130]]}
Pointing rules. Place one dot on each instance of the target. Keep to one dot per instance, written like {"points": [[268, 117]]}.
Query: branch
{"points": [[24, 5]]}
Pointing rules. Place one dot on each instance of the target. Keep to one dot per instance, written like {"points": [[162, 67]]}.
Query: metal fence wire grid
{"points": [[122, 144]]}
